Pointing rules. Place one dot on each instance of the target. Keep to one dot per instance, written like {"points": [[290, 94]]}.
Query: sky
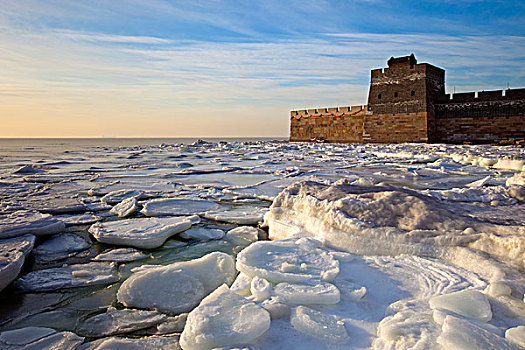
{"points": [[215, 68]]}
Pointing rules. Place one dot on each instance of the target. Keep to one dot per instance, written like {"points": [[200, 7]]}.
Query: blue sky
{"points": [[231, 68]]}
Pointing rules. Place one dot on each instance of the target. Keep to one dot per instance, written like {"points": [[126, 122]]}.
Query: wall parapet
{"points": [[334, 112], [478, 96]]}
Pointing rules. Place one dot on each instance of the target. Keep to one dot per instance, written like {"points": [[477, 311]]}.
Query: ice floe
{"points": [[121, 195], [21, 222], [516, 335], [239, 217], [68, 276], [223, 318], [179, 287], [468, 303], [243, 234], [308, 292], [202, 233], [125, 208], [286, 261], [13, 252], [260, 288], [115, 321], [177, 206], [141, 233], [75, 219], [150, 343], [121, 255], [59, 247], [459, 333], [315, 323], [38, 338]]}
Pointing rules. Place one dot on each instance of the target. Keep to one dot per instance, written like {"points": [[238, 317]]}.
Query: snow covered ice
{"points": [[141, 233], [224, 318], [39, 338], [177, 206], [318, 324], [68, 276], [286, 261], [22, 222], [115, 321], [371, 246], [13, 252], [179, 287]]}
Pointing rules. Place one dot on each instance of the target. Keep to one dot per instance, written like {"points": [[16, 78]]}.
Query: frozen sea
{"points": [[110, 243]]}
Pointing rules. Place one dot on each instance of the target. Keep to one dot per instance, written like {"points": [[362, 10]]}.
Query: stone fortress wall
{"points": [[407, 103]]}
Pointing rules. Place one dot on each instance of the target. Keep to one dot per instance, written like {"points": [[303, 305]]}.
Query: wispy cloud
{"points": [[62, 63]]}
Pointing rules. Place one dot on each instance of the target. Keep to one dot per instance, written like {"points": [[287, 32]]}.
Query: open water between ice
{"points": [[109, 243]]}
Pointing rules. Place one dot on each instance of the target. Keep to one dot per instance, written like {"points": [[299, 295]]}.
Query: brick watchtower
{"points": [[401, 101]]}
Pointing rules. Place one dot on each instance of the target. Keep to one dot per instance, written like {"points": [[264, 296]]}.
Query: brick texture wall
{"points": [[329, 124], [396, 128]]}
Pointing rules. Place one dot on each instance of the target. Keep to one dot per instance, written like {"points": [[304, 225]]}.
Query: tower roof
{"points": [[410, 59]]}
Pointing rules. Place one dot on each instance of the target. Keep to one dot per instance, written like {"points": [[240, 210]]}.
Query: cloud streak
{"points": [[106, 81]]}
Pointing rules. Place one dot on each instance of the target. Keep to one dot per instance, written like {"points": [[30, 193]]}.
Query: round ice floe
{"points": [[125, 208], [308, 292], [22, 221], [202, 233], [178, 287], [223, 318], [13, 252], [68, 276], [469, 303], [260, 288], [115, 321], [141, 233], [318, 324], [177, 206], [174, 292], [286, 261], [38, 338]]}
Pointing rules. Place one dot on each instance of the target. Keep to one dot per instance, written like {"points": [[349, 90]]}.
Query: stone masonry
{"points": [[407, 103]]}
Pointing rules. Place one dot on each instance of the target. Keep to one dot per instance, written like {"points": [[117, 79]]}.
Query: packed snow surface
{"points": [[405, 246]]}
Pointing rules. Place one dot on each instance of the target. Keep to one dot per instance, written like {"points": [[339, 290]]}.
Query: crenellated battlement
{"points": [[479, 96], [335, 112]]}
